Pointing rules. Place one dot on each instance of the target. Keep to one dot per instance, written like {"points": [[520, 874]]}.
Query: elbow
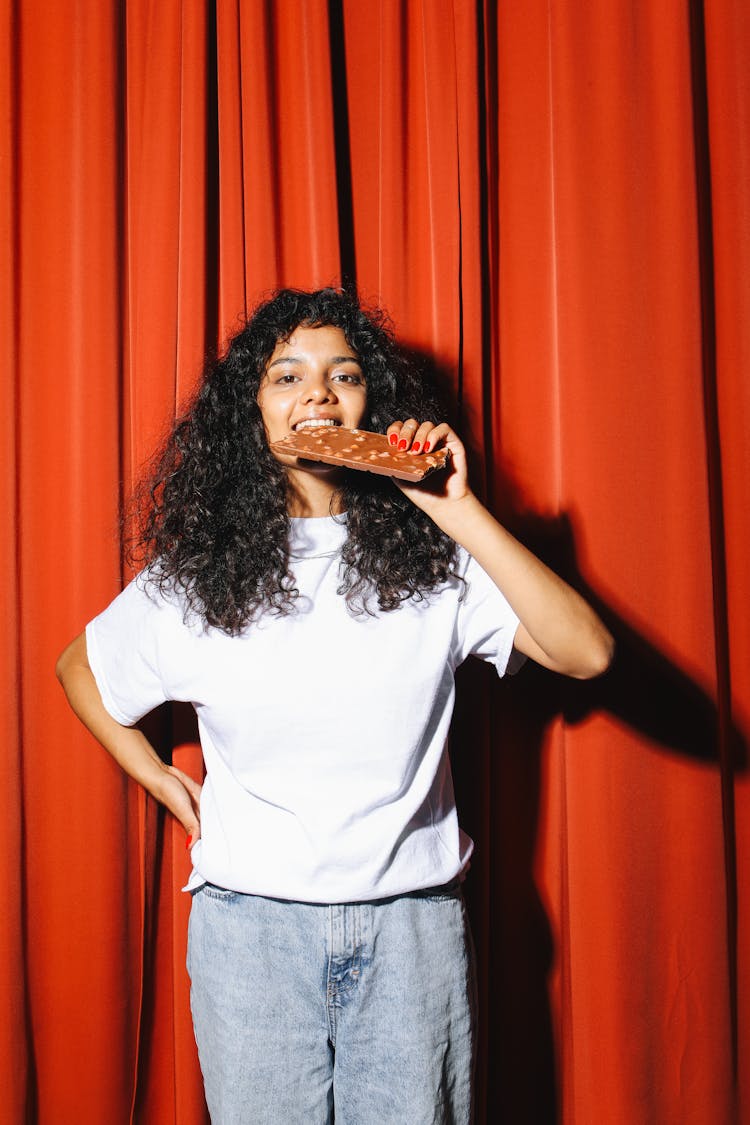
{"points": [[72, 656], [61, 670], [598, 658]]}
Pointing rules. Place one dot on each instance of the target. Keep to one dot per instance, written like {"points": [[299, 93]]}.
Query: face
{"points": [[312, 379]]}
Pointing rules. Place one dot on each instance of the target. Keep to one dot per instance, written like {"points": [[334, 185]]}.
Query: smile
{"points": [[311, 423]]}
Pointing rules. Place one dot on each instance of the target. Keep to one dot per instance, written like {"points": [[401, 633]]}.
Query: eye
{"points": [[285, 380], [352, 377]]}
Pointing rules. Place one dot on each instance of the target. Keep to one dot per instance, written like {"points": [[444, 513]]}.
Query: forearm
{"points": [[558, 627], [127, 745]]}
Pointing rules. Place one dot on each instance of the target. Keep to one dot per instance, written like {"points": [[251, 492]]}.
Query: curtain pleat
{"points": [[14, 1027], [170, 320], [551, 201], [72, 909], [726, 28], [277, 161]]}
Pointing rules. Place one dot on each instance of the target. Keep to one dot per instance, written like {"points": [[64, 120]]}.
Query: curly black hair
{"points": [[211, 518]]}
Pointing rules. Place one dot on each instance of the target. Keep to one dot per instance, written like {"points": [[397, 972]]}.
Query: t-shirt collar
{"points": [[316, 535]]}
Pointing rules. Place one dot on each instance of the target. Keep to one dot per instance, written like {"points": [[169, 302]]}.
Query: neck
{"points": [[312, 496]]}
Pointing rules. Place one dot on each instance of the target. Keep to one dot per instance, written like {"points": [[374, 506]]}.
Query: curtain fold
{"points": [[726, 30], [14, 1029], [64, 410], [552, 203], [277, 164]]}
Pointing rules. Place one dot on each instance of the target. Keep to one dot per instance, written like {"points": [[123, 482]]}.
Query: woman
{"points": [[315, 616]]}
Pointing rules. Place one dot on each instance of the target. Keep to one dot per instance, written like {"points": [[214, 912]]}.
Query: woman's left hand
{"points": [[447, 486], [557, 628]]}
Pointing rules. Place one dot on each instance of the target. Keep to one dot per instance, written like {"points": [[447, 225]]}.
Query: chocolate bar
{"points": [[359, 449]]}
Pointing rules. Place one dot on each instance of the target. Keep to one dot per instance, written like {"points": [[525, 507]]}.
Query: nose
{"points": [[317, 389]]}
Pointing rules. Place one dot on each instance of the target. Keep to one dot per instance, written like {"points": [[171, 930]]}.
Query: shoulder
{"points": [[148, 601]]}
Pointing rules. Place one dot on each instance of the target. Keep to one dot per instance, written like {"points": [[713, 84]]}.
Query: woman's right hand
{"points": [[128, 746], [182, 796]]}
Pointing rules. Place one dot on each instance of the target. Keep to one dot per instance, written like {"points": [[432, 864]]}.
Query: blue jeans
{"points": [[365, 1010]]}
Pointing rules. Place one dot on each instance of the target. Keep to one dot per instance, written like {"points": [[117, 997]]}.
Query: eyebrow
{"points": [[301, 359]]}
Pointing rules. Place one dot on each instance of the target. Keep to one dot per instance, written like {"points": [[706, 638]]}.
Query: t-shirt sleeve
{"points": [[486, 625], [123, 645]]}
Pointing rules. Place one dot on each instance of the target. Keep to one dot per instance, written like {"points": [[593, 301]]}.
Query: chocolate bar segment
{"points": [[359, 449]]}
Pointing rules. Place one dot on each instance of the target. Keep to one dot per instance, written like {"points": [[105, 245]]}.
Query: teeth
{"points": [[312, 423]]}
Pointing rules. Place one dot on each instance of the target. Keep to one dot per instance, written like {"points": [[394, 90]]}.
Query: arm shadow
{"points": [[497, 744], [643, 689]]}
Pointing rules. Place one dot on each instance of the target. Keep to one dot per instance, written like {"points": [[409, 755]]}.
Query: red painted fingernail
{"points": [[393, 439], [426, 447], [402, 444], [188, 842], [416, 447]]}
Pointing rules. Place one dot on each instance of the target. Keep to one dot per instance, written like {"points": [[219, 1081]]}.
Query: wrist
{"points": [[455, 515], [160, 782]]}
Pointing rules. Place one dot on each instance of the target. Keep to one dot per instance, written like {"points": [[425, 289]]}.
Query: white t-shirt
{"points": [[323, 734]]}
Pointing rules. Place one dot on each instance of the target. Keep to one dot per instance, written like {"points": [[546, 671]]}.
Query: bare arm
{"points": [[127, 745], [558, 629]]}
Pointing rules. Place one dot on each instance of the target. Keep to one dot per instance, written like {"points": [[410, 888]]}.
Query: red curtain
{"points": [[552, 201]]}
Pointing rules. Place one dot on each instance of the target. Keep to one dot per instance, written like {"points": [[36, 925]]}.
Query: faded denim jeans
{"points": [[362, 1010]]}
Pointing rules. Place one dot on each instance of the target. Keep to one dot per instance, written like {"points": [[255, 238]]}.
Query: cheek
{"points": [[272, 411], [374, 410], [360, 408]]}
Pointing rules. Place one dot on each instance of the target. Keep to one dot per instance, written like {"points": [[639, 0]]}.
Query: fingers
{"points": [[183, 801], [417, 437], [446, 487], [401, 434], [192, 786]]}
